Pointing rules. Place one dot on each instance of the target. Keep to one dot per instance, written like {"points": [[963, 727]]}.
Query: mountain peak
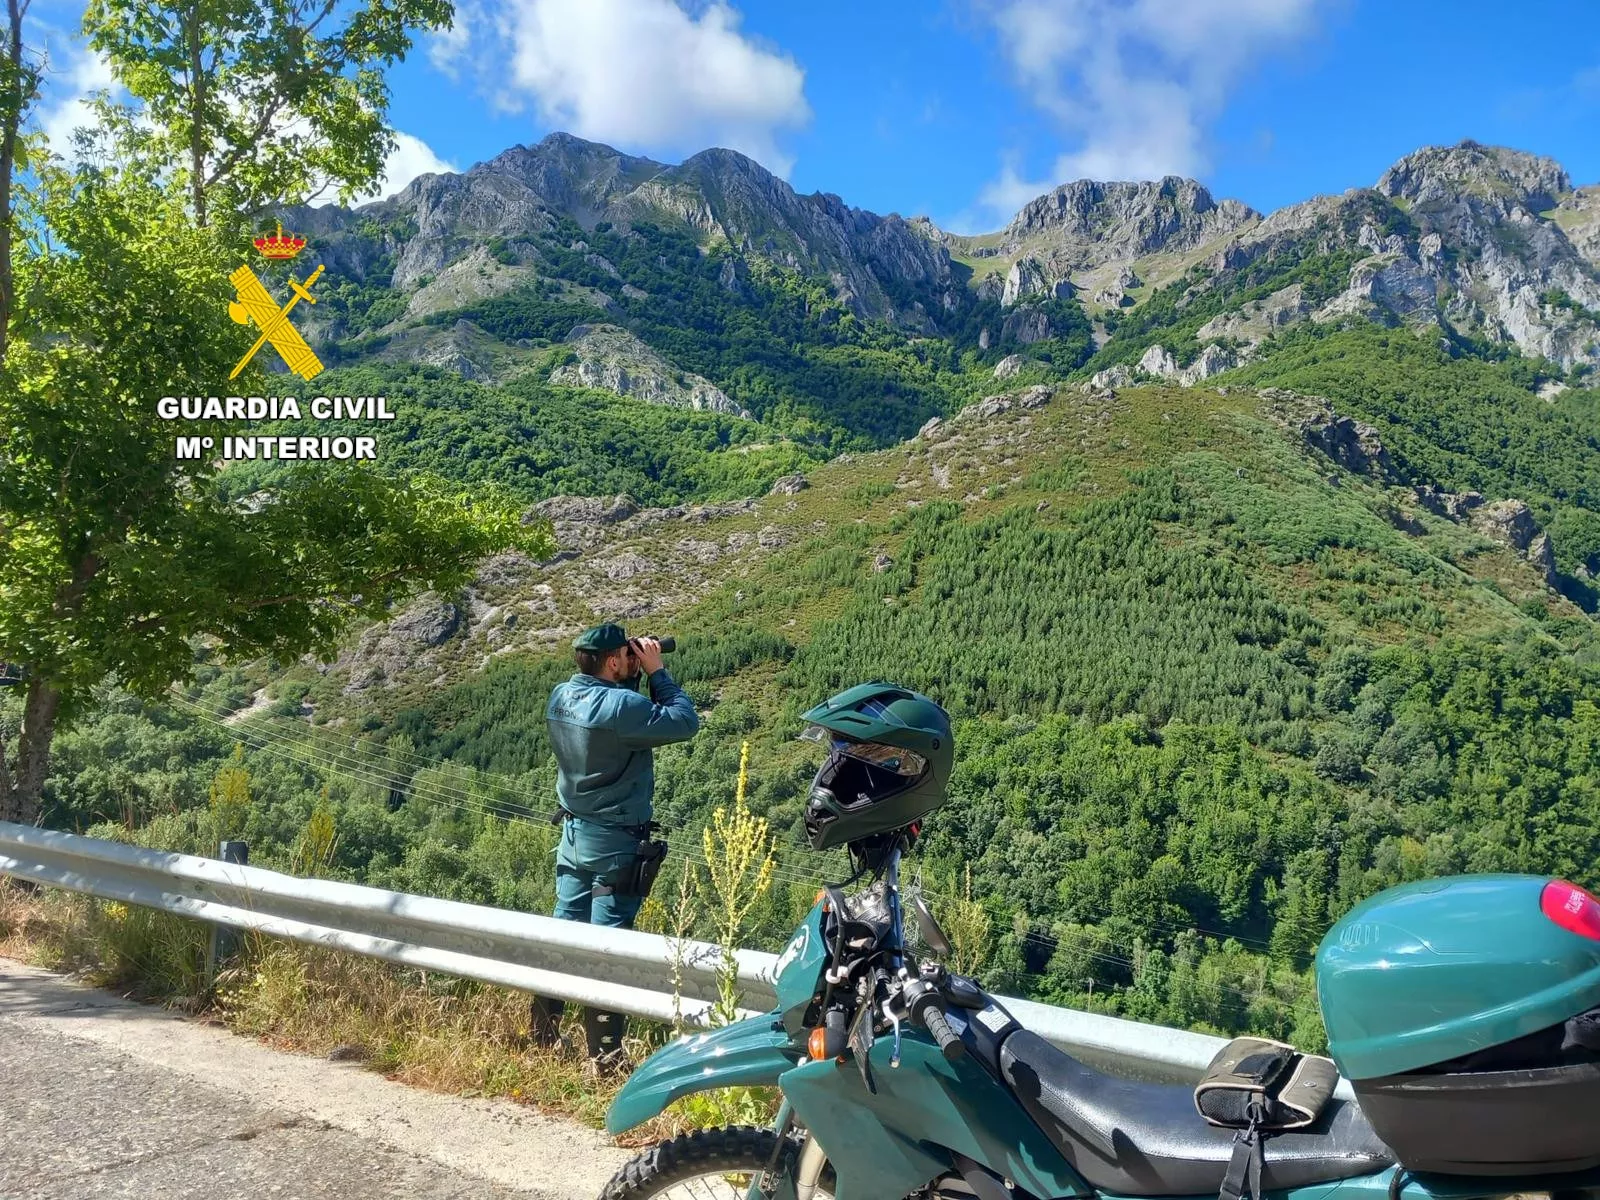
{"points": [[1131, 218], [720, 158], [1444, 173]]}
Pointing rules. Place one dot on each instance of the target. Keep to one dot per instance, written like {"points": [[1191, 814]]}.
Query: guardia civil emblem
{"points": [[255, 304]]}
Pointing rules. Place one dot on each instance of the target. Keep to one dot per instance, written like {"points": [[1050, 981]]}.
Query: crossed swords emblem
{"points": [[256, 304]]}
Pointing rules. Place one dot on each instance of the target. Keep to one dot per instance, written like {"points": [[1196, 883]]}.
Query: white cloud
{"points": [[410, 157], [448, 49], [64, 95], [1132, 85], [648, 75], [1010, 191]]}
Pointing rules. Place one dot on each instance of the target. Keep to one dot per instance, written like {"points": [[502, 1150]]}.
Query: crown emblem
{"points": [[279, 245]]}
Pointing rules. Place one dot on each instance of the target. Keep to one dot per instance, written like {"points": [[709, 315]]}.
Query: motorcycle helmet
{"points": [[889, 758]]}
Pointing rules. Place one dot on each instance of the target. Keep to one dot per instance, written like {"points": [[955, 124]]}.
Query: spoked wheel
{"points": [[711, 1164]]}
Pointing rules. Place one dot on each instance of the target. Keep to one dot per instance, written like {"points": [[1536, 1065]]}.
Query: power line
{"points": [[338, 764], [329, 760]]}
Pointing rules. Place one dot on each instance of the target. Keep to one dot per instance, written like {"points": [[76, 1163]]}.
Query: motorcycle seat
{"points": [[1146, 1139]]}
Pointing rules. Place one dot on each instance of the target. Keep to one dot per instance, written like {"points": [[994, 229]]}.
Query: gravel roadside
{"points": [[106, 1097]]}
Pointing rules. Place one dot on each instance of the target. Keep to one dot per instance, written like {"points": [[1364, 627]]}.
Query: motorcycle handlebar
{"points": [[951, 1046], [928, 1007]]}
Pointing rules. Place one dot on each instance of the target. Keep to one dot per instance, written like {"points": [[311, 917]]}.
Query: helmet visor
{"points": [[888, 758]]}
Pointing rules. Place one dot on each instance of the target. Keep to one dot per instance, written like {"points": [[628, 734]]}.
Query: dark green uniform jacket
{"points": [[603, 734]]}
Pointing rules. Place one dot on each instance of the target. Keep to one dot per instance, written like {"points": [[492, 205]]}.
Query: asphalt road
{"points": [[100, 1097]]}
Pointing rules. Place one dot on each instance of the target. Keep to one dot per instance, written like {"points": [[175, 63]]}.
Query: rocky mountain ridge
{"points": [[1478, 241], [720, 194]]}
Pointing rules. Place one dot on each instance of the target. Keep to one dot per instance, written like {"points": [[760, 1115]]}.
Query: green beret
{"points": [[601, 638]]}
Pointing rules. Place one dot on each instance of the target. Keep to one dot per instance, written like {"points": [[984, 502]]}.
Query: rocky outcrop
{"points": [[788, 485], [729, 197], [1445, 176], [990, 407], [1393, 284], [1354, 445], [1027, 325], [1026, 278], [1212, 360], [1455, 505], [1088, 222], [723, 195], [387, 651], [1158, 361], [1509, 522], [1259, 319], [1110, 377], [462, 347], [613, 360], [1512, 523], [586, 510], [1008, 366], [1476, 237], [429, 622], [1115, 293], [579, 522]]}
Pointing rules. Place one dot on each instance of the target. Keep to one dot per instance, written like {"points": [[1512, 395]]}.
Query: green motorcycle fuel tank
{"points": [[1466, 1013]]}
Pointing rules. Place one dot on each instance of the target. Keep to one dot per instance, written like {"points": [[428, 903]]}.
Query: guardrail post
{"points": [[224, 942]]}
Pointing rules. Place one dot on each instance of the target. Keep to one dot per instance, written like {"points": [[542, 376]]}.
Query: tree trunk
{"points": [[197, 141], [20, 800], [17, 89]]}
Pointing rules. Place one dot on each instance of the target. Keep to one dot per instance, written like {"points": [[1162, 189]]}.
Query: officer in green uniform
{"points": [[603, 732]]}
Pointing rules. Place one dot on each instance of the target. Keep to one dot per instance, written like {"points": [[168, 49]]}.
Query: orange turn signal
{"points": [[817, 1044]]}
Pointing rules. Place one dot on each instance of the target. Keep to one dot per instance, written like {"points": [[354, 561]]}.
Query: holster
{"points": [[639, 876]]}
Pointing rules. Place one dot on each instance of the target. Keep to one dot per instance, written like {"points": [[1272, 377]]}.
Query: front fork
{"points": [[774, 1183]]}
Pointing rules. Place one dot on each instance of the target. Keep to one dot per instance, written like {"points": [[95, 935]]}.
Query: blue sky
{"points": [[963, 109]]}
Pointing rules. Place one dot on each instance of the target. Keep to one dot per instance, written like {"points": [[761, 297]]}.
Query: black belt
{"points": [[638, 831]]}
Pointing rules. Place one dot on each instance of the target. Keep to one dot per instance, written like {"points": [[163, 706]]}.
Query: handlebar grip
{"points": [[949, 1044]]}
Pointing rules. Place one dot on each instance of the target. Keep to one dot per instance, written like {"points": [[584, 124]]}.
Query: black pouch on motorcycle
{"points": [[1261, 1087], [1527, 1106], [1255, 1081]]}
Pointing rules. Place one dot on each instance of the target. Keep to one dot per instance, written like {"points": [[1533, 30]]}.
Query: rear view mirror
{"points": [[929, 928]]}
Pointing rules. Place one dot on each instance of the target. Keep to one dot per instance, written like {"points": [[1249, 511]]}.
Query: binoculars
{"points": [[668, 643]]}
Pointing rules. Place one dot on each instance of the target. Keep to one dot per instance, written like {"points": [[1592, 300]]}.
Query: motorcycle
{"points": [[902, 1078]]}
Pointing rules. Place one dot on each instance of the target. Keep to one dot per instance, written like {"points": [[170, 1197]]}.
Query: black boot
{"points": [[603, 1032], [544, 1020]]}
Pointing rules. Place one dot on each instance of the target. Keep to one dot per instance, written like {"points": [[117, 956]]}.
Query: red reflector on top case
{"points": [[1572, 908]]}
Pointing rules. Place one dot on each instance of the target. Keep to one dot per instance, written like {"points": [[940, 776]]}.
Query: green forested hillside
{"points": [[538, 441], [1461, 422]]}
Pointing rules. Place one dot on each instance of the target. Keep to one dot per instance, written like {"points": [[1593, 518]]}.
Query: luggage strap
{"points": [[1244, 1168]]}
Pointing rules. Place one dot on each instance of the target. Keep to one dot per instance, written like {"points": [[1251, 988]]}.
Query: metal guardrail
{"points": [[617, 969]]}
